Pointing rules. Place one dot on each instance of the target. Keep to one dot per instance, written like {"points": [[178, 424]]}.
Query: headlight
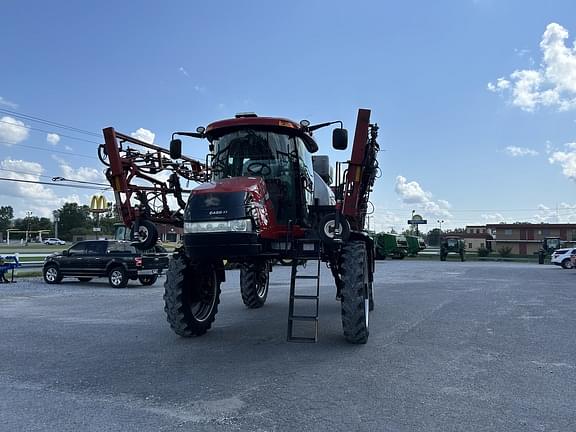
{"points": [[234, 225]]}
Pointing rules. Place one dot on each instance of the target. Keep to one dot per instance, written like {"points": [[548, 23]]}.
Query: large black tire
{"points": [[567, 264], [117, 277], [254, 283], [355, 295], [52, 275], [147, 235], [191, 296], [148, 279], [443, 256]]}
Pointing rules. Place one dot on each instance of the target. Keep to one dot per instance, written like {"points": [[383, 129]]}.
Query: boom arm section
{"points": [[145, 180], [361, 172]]}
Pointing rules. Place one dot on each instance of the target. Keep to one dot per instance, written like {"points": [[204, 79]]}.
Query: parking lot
{"points": [[453, 347]]}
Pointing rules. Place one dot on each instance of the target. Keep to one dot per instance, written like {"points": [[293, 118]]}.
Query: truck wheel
{"points": [[147, 235], [117, 277], [254, 283], [355, 296], [148, 279], [52, 275], [567, 264], [442, 257], [462, 258], [191, 296]]}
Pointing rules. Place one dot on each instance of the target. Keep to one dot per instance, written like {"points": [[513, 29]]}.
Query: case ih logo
{"points": [[217, 212], [212, 201]]}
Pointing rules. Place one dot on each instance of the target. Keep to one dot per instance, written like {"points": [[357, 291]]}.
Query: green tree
{"points": [[74, 217], [433, 237], [6, 215]]}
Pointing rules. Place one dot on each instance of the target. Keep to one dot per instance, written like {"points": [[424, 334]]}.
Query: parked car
{"points": [[563, 257], [119, 261], [54, 241]]}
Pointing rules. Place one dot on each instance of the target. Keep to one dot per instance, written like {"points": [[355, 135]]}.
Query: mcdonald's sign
{"points": [[98, 204]]}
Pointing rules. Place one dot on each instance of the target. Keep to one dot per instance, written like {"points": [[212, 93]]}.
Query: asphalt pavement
{"points": [[453, 347]]}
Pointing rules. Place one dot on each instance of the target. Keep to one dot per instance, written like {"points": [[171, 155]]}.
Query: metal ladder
{"points": [[310, 250]]}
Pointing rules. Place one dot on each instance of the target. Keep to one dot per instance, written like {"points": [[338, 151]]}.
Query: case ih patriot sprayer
{"points": [[261, 197]]}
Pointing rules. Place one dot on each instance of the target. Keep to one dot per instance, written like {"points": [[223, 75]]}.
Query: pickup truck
{"points": [[119, 261]]}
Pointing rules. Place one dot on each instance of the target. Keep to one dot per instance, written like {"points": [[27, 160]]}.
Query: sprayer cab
{"points": [[262, 185]]}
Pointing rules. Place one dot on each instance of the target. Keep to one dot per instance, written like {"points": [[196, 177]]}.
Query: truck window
{"points": [[77, 249], [95, 248]]}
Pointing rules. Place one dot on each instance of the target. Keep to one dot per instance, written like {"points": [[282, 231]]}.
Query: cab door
{"points": [[72, 263], [95, 258]]}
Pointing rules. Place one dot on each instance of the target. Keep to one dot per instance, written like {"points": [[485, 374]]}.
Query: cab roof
{"points": [[282, 125]]}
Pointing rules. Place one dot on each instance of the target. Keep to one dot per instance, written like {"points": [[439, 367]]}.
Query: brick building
{"points": [[526, 239]]}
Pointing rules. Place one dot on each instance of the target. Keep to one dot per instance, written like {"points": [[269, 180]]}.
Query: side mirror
{"points": [[340, 139], [176, 149], [65, 252]]}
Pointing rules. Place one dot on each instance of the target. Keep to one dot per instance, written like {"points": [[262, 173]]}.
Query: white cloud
{"points": [[411, 193], [86, 174], [515, 151], [184, 71], [12, 131], [38, 198], [7, 103], [491, 218], [566, 159], [385, 220], [501, 84], [553, 84], [28, 171], [144, 135], [53, 138]]}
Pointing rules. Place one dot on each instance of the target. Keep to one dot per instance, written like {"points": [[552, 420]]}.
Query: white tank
{"points": [[322, 191]]}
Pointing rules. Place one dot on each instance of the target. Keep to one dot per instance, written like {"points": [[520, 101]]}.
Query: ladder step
{"points": [[302, 318], [306, 277], [302, 339], [305, 297]]}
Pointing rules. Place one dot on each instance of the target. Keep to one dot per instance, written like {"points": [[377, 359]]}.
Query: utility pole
{"points": [[56, 215], [28, 215]]}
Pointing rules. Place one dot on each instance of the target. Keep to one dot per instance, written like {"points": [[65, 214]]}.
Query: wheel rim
{"points": [[330, 229], [116, 277], [51, 274], [202, 303]]}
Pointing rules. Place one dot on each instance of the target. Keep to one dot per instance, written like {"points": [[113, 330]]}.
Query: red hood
{"points": [[255, 185]]}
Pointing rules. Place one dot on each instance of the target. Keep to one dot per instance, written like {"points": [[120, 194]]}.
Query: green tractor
{"points": [[390, 245], [451, 244], [415, 245]]}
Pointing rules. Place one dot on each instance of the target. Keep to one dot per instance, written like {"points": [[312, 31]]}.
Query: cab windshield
{"points": [[280, 159]]}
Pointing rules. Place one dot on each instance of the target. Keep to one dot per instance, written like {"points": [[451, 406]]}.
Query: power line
{"points": [[7, 143], [54, 178], [47, 131], [48, 122], [54, 184]]}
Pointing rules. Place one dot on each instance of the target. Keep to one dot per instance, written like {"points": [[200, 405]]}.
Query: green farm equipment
{"points": [[390, 245], [451, 244]]}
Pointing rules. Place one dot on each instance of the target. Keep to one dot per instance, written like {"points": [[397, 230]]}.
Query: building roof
{"points": [[477, 236], [530, 225]]}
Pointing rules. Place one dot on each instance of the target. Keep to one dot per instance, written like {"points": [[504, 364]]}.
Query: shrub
{"points": [[505, 251], [483, 252]]}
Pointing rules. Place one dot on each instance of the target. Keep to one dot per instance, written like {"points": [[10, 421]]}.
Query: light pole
{"points": [[56, 215], [28, 215], [440, 221]]}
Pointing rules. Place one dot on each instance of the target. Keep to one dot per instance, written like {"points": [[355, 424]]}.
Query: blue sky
{"points": [[459, 144]]}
